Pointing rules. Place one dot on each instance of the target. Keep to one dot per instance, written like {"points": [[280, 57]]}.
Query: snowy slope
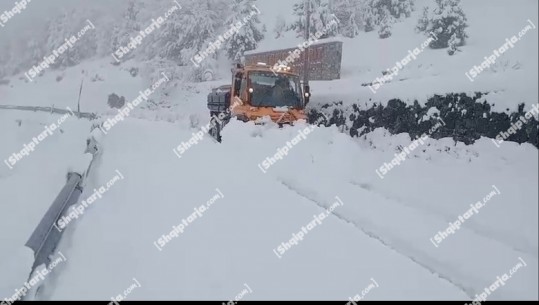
{"points": [[30, 187], [382, 231], [364, 59], [382, 234], [434, 72], [230, 245]]}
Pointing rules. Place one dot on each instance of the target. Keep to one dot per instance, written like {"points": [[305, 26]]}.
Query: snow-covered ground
{"points": [[514, 80], [382, 231], [434, 71], [28, 189]]}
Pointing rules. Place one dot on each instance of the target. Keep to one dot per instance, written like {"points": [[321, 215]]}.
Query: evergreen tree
{"points": [[398, 9], [321, 19], [168, 41], [446, 20], [190, 31], [423, 21], [62, 35], [369, 19], [404, 8], [5, 54], [248, 35], [350, 16], [453, 43], [386, 24], [127, 27], [280, 27], [36, 50], [59, 30]]}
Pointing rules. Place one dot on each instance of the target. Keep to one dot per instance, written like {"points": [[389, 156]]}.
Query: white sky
{"points": [[38, 11]]}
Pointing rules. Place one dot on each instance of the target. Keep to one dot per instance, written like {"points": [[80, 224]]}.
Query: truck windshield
{"points": [[270, 90]]}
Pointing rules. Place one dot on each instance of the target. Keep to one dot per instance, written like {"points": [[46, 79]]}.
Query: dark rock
{"points": [[466, 120]]}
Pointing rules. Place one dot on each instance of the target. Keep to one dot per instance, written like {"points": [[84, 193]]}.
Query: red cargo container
{"points": [[325, 59]]}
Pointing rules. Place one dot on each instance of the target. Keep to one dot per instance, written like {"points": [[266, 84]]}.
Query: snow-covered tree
{"points": [[280, 26], [28, 48], [61, 37], [350, 16], [423, 21], [189, 31], [386, 24], [168, 42], [248, 35], [201, 25], [444, 21], [369, 19], [16, 57], [453, 44], [404, 8], [36, 50], [398, 9], [59, 29], [128, 26], [5, 54], [321, 21]]}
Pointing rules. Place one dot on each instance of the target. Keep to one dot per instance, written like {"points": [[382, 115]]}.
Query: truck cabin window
{"points": [[270, 90]]}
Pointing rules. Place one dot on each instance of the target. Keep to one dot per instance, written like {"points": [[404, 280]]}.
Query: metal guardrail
{"points": [[86, 115], [45, 238]]}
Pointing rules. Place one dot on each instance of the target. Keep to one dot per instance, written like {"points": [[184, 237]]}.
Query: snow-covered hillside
{"points": [[382, 230], [395, 225], [512, 81]]}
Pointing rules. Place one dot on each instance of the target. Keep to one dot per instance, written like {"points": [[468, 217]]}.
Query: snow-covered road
{"points": [[381, 233]]}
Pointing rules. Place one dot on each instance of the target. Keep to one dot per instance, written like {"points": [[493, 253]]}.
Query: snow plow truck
{"points": [[258, 91]]}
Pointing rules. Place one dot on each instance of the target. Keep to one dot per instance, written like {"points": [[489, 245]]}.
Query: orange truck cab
{"points": [[259, 91]]}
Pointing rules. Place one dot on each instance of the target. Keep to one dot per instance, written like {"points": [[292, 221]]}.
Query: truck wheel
{"points": [[215, 128], [208, 75]]}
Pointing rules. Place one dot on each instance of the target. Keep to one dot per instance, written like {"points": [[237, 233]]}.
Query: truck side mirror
{"points": [[307, 94]]}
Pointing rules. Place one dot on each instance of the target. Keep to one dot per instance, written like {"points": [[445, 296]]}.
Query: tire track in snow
{"points": [[469, 291], [474, 227]]}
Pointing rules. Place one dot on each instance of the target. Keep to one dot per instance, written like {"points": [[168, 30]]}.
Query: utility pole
{"points": [[80, 93], [307, 34]]}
